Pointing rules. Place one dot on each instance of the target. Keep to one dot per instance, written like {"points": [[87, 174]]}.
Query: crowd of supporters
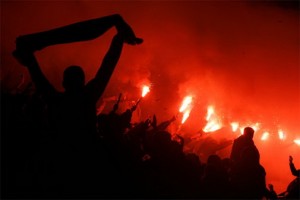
{"points": [[55, 146], [122, 161]]}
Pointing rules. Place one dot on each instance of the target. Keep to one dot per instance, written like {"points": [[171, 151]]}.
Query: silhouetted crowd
{"points": [[55, 146], [123, 161]]}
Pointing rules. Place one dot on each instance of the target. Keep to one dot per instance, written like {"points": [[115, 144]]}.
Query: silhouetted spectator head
{"points": [[73, 79], [214, 160], [193, 158], [125, 119], [226, 162], [162, 139], [248, 132], [163, 136]]}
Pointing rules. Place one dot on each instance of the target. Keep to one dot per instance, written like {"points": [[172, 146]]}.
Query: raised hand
{"points": [[291, 159], [271, 187], [25, 58], [116, 106], [154, 121], [126, 31]]}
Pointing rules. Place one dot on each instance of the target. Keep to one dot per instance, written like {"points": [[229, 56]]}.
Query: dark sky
{"points": [[239, 56]]}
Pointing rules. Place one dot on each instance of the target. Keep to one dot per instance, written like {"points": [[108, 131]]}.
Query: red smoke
{"points": [[241, 57]]}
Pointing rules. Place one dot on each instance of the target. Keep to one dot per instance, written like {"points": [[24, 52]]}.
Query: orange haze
{"points": [[240, 57]]}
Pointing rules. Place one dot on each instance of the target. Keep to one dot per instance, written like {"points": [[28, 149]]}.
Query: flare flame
{"points": [[145, 90], [213, 121]]}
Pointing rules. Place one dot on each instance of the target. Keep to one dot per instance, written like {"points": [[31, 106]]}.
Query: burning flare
{"points": [[186, 108], [186, 115], [255, 126], [265, 136], [281, 135], [297, 141], [145, 90], [186, 103], [234, 126], [213, 121], [242, 130], [210, 112], [212, 126]]}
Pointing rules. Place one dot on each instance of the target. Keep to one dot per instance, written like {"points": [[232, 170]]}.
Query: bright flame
{"points": [[213, 121], [242, 130], [265, 136], [234, 126], [281, 135], [186, 108], [212, 126], [186, 103], [297, 141], [210, 112], [255, 126], [145, 90], [186, 114]]}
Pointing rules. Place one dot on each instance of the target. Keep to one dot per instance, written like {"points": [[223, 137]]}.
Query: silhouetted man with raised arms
{"points": [[77, 164], [73, 112]]}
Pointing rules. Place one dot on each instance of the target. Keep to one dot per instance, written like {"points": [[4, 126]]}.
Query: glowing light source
{"points": [[186, 115], [211, 126], [281, 135], [297, 141], [265, 136], [210, 112], [242, 130], [255, 126], [186, 103], [186, 108], [213, 121], [234, 126], [145, 90]]}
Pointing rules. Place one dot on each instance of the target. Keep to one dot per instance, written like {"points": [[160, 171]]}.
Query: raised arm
{"points": [[292, 166], [80, 31], [97, 85], [28, 59], [116, 106]]}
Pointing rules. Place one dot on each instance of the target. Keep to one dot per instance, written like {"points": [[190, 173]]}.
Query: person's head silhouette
{"points": [[73, 79], [248, 132]]}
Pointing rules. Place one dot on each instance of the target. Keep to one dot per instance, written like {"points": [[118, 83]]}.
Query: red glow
{"points": [[211, 126], [186, 114], [239, 52], [265, 136], [255, 126], [234, 126], [213, 121], [242, 130], [185, 103], [186, 108], [210, 112], [297, 141], [281, 135], [145, 90]]}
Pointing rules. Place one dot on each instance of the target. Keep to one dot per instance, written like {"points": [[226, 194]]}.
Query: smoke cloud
{"points": [[240, 57]]}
